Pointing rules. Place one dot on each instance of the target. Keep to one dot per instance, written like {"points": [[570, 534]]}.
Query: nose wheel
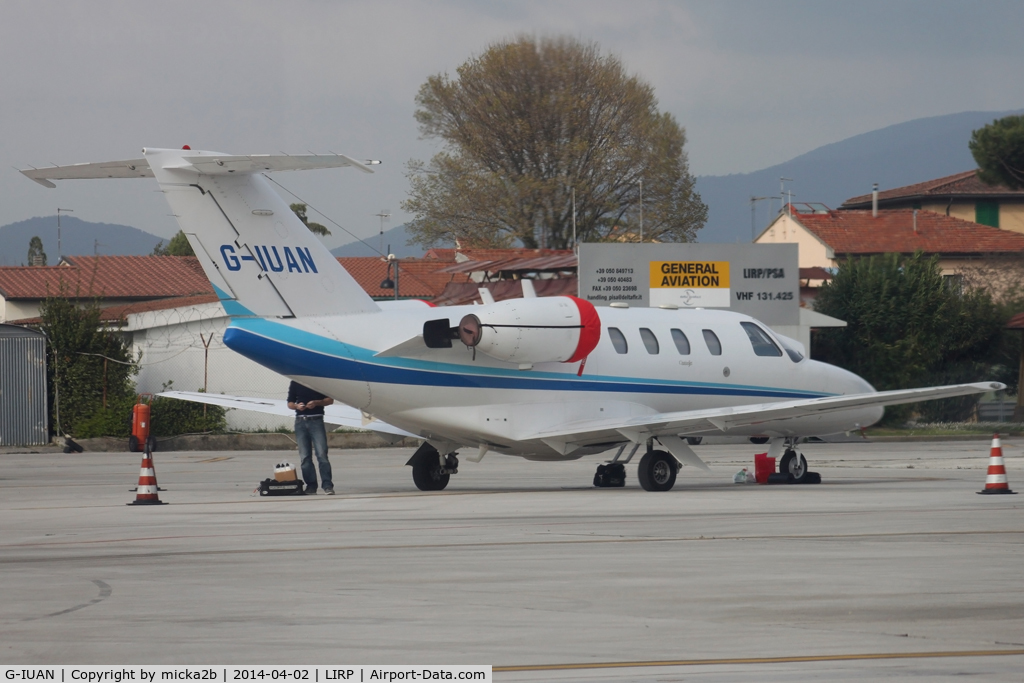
{"points": [[795, 465]]}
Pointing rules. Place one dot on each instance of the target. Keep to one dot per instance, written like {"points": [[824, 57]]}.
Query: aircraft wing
{"points": [[724, 419], [128, 168], [337, 414]]}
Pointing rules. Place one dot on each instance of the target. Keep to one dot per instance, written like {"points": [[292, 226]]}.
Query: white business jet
{"points": [[540, 378]]}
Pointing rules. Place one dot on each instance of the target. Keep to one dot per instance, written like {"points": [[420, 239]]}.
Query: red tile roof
{"points": [[1016, 322], [418, 278], [113, 277], [857, 232], [815, 273], [119, 313], [963, 185]]}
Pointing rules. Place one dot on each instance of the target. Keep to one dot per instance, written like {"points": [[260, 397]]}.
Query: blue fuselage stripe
{"points": [[294, 360]]}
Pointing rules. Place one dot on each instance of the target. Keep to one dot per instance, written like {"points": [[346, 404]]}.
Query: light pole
{"points": [[58, 229], [641, 209]]}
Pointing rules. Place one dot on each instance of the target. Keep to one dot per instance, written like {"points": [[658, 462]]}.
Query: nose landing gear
{"points": [[794, 465]]}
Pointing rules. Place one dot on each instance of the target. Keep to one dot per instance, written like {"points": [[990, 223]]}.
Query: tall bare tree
{"points": [[529, 121]]}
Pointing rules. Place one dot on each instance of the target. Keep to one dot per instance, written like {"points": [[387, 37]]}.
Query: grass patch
{"points": [[948, 429]]}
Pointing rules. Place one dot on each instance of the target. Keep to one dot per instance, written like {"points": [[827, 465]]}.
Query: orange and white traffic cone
{"points": [[146, 493], [996, 482]]}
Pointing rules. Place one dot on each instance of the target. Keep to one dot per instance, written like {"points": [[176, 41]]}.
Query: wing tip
{"points": [[42, 181]]}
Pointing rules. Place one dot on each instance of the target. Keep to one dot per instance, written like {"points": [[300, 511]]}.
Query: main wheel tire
{"points": [[758, 440], [426, 471], [694, 440], [794, 465], [657, 471], [133, 444]]}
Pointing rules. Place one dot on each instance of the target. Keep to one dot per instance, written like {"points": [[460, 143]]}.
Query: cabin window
{"points": [[618, 340], [650, 341], [681, 342], [759, 339], [711, 339]]}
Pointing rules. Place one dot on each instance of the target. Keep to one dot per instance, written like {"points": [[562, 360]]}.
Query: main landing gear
{"points": [[430, 470], [657, 470]]}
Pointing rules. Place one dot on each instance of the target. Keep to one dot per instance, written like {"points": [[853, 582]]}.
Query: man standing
{"points": [[310, 433]]}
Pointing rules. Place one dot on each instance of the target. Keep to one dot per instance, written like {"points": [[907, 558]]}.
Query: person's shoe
{"points": [[328, 492], [310, 491]]}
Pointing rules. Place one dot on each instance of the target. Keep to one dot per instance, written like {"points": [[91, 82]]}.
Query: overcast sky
{"points": [[753, 83]]}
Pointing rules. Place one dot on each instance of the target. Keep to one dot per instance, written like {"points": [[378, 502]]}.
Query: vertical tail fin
{"points": [[258, 255]]}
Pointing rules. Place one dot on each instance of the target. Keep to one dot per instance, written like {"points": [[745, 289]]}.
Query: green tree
{"points": [[90, 370], [998, 148], [529, 121], [316, 228], [907, 327], [178, 246], [36, 255]]}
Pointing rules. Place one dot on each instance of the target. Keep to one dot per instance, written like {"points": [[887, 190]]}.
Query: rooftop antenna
{"points": [[753, 201], [58, 229], [782, 191], [383, 214]]}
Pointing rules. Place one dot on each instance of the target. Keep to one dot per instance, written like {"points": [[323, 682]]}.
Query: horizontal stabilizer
{"points": [[207, 163], [128, 168], [212, 164]]}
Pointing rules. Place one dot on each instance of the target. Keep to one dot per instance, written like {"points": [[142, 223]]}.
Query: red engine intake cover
{"points": [[590, 333]]}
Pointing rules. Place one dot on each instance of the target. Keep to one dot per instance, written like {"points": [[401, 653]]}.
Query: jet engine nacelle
{"points": [[537, 330]]}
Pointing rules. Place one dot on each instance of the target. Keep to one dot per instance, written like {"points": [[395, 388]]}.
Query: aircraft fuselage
{"points": [[668, 363]]}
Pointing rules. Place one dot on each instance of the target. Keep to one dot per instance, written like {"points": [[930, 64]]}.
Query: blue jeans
{"points": [[309, 435]]}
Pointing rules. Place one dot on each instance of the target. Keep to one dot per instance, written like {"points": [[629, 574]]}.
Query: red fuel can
{"points": [[763, 467]]}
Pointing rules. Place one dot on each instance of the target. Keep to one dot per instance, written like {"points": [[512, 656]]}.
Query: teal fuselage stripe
{"points": [[288, 351]]}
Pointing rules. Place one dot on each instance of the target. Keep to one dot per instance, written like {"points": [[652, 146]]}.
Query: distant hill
{"points": [[370, 246], [78, 237], [898, 155]]}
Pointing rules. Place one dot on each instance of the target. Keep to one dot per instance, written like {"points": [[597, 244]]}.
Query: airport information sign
{"points": [[760, 280]]}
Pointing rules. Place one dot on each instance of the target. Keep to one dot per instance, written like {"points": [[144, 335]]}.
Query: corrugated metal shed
{"points": [[23, 406]]}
